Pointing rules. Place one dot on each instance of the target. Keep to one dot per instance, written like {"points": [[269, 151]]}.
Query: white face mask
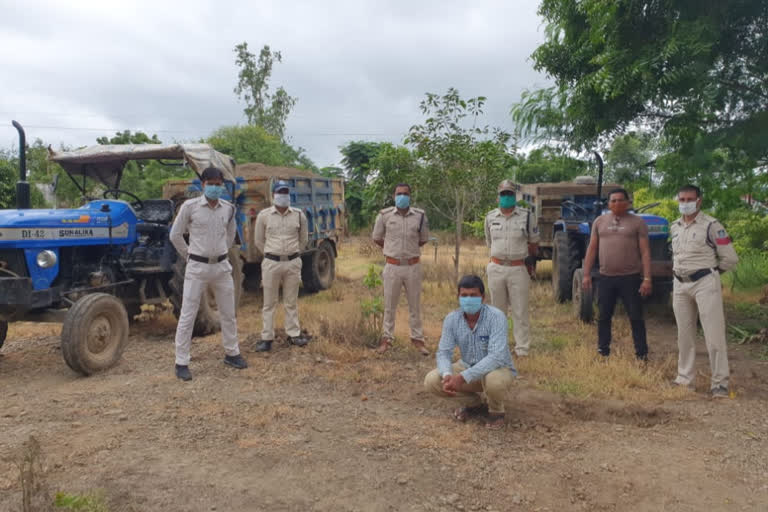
{"points": [[687, 208], [281, 200]]}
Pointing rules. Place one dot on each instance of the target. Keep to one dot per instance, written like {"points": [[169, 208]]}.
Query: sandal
{"points": [[462, 414], [495, 421], [419, 344]]}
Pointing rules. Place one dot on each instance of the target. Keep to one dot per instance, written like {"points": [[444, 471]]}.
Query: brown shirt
{"points": [[619, 239]]}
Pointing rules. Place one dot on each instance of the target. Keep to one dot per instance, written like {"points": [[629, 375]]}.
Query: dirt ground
{"points": [[331, 427]]}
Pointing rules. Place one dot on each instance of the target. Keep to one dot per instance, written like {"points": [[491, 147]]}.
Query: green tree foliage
{"points": [[38, 171], [693, 72], [331, 171], [666, 208], [262, 107], [461, 163], [356, 159], [627, 160], [252, 143], [548, 164]]}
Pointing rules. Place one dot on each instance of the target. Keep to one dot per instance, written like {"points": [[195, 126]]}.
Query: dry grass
{"points": [[563, 357]]}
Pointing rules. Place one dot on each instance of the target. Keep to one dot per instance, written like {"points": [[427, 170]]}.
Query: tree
{"points": [[628, 158], [127, 137], [692, 72], [548, 164], [462, 164], [262, 107], [356, 159], [254, 144]]}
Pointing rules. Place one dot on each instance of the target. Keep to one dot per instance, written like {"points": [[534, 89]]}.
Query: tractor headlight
{"points": [[46, 259]]}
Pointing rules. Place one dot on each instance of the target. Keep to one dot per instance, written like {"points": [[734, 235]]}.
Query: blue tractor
{"points": [[92, 267], [569, 247]]}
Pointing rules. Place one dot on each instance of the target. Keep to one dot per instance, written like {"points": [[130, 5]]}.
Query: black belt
{"points": [[203, 259], [691, 278], [275, 257]]}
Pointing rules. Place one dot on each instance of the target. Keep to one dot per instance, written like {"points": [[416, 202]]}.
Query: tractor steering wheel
{"points": [[115, 192]]}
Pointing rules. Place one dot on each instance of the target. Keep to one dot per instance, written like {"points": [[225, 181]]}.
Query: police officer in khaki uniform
{"points": [[401, 231], [512, 234], [210, 222], [701, 250], [280, 235]]}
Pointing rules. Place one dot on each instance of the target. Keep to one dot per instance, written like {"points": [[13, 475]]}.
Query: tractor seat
{"points": [[156, 211]]}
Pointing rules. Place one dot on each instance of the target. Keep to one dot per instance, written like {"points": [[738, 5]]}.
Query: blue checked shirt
{"points": [[483, 349]]}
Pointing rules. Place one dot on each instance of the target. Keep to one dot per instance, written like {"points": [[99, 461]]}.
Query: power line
{"points": [[113, 129]]}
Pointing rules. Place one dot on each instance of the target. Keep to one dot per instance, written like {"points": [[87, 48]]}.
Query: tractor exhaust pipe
{"points": [[22, 186], [599, 183]]}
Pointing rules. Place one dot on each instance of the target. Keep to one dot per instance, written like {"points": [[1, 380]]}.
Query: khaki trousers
{"points": [[494, 385], [275, 274], [702, 299], [509, 287], [197, 278], [394, 278]]}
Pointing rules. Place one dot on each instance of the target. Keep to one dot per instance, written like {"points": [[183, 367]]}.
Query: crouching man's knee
{"points": [[497, 384], [433, 383]]}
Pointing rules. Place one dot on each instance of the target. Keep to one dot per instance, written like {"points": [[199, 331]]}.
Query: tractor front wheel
{"points": [[582, 299], [95, 333]]}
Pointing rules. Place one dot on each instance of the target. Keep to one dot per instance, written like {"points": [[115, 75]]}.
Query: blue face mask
{"points": [[402, 201], [507, 201], [470, 305], [213, 192]]}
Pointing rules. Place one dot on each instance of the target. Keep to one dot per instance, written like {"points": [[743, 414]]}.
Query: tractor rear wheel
{"points": [[565, 259], [582, 299], [95, 333], [318, 268], [207, 321]]}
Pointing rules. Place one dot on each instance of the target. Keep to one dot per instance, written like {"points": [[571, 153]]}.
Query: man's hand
{"points": [[452, 383], [531, 271], [380, 243], [586, 283], [646, 288]]}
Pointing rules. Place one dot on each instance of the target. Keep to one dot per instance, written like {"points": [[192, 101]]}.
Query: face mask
{"points": [[619, 208], [282, 200], [687, 208], [213, 192], [402, 201], [507, 201], [470, 305]]}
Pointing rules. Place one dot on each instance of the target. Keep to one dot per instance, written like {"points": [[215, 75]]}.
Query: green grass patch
{"points": [[92, 502]]}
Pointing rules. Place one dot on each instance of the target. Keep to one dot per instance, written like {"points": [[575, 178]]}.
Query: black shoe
{"points": [[183, 373], [299, 340], [236, 362], [264, 346]]}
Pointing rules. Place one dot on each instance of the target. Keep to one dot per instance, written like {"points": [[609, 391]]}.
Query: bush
{"points": [[751, 272], [748, 229], [667, 207]]}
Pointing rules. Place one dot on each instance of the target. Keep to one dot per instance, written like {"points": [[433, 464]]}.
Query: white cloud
{"points": [[71, 72]]}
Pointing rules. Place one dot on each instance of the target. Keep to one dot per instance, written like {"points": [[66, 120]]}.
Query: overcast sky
{"points": [[73, 71]]}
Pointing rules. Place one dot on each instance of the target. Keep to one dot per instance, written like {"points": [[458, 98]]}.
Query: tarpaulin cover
{"points": [[105, 163]]}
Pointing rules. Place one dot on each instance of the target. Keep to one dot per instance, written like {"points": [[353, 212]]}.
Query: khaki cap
{"points": [[507, 185]]}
